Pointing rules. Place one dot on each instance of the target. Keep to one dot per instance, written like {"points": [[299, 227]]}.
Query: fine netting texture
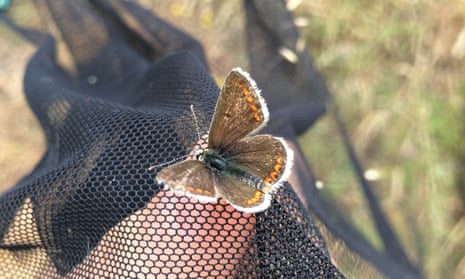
{"points": [[92, 209]]}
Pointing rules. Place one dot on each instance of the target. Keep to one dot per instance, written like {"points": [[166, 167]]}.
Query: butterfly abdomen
{"points": [[227, 167], [246, 178]]}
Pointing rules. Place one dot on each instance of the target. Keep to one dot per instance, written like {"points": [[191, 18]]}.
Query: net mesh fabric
{"points": [[92, 209]]}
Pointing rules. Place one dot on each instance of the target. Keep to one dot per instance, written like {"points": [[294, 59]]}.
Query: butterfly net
{"points": [[92, 209]]}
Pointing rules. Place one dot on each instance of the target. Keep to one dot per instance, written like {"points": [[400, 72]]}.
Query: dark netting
{"points": [[91, 208]]}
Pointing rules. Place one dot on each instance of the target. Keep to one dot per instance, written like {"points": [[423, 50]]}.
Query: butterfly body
{"points": [[214, 160], [242, 168], [228, 167]]}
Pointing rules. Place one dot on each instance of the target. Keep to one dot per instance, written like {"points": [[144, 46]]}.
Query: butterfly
{"points": [[238, 166]]}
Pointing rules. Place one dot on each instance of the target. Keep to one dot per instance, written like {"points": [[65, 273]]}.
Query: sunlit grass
{"points": [[21, 140], [391, 69]]}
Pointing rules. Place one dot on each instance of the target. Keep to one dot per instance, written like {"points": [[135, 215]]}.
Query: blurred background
{"points": [[395, 68]]}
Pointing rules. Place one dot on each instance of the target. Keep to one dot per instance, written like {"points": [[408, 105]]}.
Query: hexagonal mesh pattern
{"points": [[92, 209]]}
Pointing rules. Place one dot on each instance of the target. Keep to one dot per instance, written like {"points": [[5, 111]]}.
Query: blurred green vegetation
{"points": [[396, 70]]}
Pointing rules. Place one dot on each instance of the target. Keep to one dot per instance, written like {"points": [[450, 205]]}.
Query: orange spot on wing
{"points": [[257, 196], [250, 99], [277, 170], [253, 108], [197, 190], [246, 91], [257, 117], [240, 84]]}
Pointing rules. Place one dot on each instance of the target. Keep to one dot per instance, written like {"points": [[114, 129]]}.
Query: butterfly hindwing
{"points": [[241, 195], [240, 110], [193, 178], [263, 156]]}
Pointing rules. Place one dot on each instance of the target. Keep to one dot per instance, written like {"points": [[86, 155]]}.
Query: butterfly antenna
{"points": [[177, 159], [196, 122], [151, 168]]}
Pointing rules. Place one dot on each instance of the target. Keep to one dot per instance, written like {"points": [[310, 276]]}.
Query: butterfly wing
{"points": [[263, 156], [240, 110], [192, 178], [240, 195]]}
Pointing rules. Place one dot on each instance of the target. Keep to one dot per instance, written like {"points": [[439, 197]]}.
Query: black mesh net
{"points": [[91, 208]]}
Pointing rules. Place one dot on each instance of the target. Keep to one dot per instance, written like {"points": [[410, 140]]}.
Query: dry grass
{"points": [[396, 69], [22, 142]]}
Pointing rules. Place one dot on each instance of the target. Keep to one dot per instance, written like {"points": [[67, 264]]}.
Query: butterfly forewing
{"points": [[192, 177], [240, 110], [263, 156]]}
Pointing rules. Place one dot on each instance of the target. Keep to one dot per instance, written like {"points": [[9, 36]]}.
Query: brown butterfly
{"points": [[242, 169]]}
